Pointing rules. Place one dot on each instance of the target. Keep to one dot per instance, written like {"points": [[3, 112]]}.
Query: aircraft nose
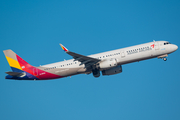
{"points": [[176, 47]]}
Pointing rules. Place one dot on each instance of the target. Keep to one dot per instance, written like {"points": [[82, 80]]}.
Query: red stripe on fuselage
{"points": [[40, 74]]}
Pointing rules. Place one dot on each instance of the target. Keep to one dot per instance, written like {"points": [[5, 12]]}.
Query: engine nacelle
{"points": [[108, 63], [112, 71]]}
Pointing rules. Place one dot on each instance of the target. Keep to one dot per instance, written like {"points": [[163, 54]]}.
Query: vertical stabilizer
{"points": [[16, 63], [12, 60], [23, 70]]}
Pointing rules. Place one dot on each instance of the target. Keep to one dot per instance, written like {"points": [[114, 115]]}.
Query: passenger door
{"points": [[122, 54], [156, 45], [35, 71]]}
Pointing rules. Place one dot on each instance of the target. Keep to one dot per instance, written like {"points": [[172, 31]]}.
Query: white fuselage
{"points": [[123, 56]]}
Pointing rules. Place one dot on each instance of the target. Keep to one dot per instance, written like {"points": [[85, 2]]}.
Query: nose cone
{"points": [[176, 47], [172, 48]]}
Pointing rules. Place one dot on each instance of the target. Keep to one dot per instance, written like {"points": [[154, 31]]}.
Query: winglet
{"points": [[64, 48]]}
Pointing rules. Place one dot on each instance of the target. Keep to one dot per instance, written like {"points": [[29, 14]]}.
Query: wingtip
{"points": [[64, 48]]}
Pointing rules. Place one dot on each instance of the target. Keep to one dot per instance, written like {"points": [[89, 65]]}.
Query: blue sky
{"points": [[145, 90]]}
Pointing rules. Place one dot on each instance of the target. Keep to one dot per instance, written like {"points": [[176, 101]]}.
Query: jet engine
{"points": [[108, 63], [112, 71]]}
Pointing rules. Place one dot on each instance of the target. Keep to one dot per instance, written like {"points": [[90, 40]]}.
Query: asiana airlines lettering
{"points": [[142, 49]]}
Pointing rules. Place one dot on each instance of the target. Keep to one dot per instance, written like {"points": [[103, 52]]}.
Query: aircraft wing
{"points": [[81, 58]]}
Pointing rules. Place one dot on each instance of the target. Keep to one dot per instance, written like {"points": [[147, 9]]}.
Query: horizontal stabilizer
{"points": [[16, 74]]}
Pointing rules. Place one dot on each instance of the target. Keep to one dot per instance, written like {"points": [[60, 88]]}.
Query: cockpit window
{"points": [[167, 43]]}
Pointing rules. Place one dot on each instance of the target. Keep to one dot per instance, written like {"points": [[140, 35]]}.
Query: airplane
{"points": [[107, 63]]}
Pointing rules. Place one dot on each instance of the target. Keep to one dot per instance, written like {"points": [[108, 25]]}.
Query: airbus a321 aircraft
{"points": [[109, 63]]}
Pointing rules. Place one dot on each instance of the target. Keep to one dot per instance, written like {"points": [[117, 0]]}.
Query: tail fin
{"points": [[16, 63], [23, 70]]}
